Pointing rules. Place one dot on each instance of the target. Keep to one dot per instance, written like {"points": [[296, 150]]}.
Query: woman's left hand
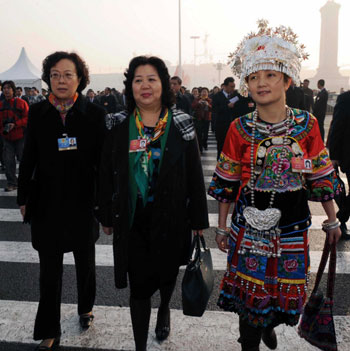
{"points": [[23, 210], [198, 232], [334, 235]]}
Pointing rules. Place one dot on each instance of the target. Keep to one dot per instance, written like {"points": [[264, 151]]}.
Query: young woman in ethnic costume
{"points": [[272, 163]]}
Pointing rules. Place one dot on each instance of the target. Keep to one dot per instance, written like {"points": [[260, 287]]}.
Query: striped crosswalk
{"points": [[216, 330]]}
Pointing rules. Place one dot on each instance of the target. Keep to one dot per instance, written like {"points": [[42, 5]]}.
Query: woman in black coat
{"points": [[57, 189], [152, 193], [339, 146]]}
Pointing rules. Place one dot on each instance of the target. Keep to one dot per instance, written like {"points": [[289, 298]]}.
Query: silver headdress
{"points": [[269, 49]]}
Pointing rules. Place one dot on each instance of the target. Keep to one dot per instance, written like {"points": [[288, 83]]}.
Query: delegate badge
{"points": [[307, 166], [137, 145], [301, 165], [65, 144]]}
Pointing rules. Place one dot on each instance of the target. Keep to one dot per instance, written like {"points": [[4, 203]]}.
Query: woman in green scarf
{"points": [[152, 193]]}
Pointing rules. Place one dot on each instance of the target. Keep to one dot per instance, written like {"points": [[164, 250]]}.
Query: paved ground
{"points": [[216, 330]]}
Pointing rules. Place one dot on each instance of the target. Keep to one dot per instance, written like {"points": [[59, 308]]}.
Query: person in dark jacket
{"points": [[295, 97], [228, 105], [109, 102], [201, 106], [57, 189], [339, 146], [222, 108], [320, 106], [152, 193], [183, 103], [308, 96]]}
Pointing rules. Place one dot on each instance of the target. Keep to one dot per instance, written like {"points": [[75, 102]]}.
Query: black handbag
{"points": [[317, 324], [198, 280]]}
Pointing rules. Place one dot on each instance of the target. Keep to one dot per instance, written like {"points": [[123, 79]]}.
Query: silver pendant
{"points": [[262, 219]]}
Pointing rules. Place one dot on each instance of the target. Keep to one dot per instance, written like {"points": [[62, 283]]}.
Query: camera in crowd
{"points": [[7, 126]]}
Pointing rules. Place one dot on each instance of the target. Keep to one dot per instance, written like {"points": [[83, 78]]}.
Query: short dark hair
{"points": [[11, 83], [177, 78], [107, 88], [205, 88], [321, 82], [306, 80], [228, 80], [19, 88], [168, 96], [80, 66]]}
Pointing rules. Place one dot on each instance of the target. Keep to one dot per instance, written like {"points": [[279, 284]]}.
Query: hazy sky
{"points": [[108, 33]]}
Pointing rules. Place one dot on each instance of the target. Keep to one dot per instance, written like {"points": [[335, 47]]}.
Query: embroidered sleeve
{"points": [[226, 179], [322, 183], [325, 188]]}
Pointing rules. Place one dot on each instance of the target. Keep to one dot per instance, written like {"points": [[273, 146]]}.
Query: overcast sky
{"points": [[108, 33]]}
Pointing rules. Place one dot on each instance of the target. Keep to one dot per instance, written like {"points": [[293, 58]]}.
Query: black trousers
{"points": [[220, 134], [320, 120], [249, 336], [47, 322], [202, 130]]}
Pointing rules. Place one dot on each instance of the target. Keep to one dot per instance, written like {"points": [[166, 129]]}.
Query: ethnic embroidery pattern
{"points": [[267, 161], [228, 169]]}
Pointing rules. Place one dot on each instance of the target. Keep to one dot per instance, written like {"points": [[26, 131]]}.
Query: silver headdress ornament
{"points": [[270, 48]]}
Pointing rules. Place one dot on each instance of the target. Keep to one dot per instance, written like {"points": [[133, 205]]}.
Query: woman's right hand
{"points": [[107, 230], [222, 242], [23, 210]]}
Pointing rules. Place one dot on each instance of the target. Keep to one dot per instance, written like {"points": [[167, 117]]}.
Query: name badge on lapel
{"points": [[67, 143], [137, 145]]}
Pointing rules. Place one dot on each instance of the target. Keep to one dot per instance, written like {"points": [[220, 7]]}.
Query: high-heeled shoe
{"points": [[163, 326], [53, 347]]}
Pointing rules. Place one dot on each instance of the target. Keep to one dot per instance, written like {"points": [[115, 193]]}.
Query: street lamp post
{"points": [[219, 68], [194, 37], [180, 63]]}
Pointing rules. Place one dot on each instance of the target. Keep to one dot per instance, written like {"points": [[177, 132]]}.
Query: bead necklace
{"points": [[261, 228]]}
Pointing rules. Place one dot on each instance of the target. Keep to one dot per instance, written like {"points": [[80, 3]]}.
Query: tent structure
{"points": [[23, 73]]}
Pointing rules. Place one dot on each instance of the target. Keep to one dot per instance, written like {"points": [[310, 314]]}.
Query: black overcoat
{"points": [[179, 202], [339, 136], [63, 194], [320, 106]]}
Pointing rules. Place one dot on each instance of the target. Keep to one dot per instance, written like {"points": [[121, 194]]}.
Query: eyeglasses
{"points": [[65, 76]]}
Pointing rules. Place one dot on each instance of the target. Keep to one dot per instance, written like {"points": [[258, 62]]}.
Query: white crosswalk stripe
{"points": [[14, 215], [216, 330], [22, 252]]}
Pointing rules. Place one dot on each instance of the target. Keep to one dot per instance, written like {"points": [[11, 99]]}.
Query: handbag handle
{"points": [[332, 249], [196, 245]]}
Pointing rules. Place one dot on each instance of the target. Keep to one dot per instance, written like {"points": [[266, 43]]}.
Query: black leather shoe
{"points": [[53, 347], [86, 320], [163, 327], [269, 338]]}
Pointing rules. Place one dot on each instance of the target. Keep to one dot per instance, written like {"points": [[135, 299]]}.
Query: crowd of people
{"points": [[131, 162]]}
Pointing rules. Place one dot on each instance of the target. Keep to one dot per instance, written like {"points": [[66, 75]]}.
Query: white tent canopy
{"points": [[23, 72]]}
